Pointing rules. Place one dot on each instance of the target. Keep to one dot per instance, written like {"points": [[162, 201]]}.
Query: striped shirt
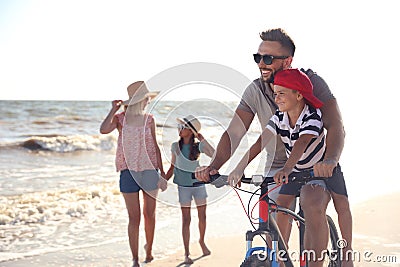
{"points": [[309, 122]]}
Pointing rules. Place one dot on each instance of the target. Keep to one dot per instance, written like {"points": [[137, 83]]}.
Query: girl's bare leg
{"points": [[201, 211], [186, 218]]}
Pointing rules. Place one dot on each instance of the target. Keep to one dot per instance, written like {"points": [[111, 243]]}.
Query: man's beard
{"points": [[272, 76]]}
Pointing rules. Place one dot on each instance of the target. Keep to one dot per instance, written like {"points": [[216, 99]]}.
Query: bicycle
{"points": [[268, 255]]}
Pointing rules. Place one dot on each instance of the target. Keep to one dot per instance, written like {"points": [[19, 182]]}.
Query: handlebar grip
{"points": [[246, 180]]}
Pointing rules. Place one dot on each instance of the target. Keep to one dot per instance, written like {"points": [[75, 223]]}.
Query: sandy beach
{"points": [[376, 241]]}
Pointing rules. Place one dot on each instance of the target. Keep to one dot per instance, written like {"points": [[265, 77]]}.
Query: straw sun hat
{"points": [[137, 92], [191, 122]]}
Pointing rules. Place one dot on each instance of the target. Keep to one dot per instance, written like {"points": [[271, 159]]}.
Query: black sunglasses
{"points": [[267, 58], [181, 127]]}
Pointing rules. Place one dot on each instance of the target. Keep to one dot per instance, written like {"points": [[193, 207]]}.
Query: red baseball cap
{"points": [[297, 80]]}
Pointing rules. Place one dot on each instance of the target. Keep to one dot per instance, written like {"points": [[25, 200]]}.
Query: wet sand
{"points": [[376, 242]]}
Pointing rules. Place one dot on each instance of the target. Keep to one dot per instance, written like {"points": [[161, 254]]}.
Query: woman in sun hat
{"points": [[138, 159], [184, 161]]}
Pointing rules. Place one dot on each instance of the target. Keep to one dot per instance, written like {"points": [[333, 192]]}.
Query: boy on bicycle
{"points": [[298, 122]]}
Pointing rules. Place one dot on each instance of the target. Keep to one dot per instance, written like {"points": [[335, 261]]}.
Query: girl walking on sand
{"points": [[138, 159], [184, 160]]}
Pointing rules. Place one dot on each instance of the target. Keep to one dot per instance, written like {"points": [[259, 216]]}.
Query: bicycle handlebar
{"points": [[219, 180]]}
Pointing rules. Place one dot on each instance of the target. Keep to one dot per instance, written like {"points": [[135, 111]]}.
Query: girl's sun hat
{"points": [[137, 92], [191, 122]]}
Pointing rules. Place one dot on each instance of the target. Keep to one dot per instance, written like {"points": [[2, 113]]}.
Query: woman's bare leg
{"points": [[133, 207], [149, 213]]}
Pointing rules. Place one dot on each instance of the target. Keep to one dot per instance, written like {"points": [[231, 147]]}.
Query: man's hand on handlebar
{"points": [[203, 173], [324, 168]]}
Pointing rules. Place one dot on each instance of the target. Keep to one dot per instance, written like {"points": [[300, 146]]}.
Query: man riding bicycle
{"points": [[276, 53]]}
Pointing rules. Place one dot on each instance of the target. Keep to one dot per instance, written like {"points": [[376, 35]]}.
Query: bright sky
{"points": [[92, 49]]}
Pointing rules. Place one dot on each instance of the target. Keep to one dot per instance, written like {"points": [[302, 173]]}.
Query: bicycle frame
{"points": [[268, 226]]}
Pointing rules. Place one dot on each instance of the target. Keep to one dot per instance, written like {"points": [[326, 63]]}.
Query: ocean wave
{"points": [[67, 119], [63, 144], [39, 207], [29, 220]]}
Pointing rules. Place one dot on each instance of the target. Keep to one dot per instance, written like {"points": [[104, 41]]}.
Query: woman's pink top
{"points": [[136, 149]]}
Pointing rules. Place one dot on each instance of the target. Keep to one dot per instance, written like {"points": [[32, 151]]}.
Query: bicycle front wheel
{"points": [[256, 260], [263, 259]]}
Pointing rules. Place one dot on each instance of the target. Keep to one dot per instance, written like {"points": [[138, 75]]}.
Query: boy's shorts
{"points": [[187, 193], [132, 182], [335, 184]]}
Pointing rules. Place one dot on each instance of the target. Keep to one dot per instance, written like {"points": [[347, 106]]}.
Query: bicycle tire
{"points": [[334, 252], [256, 260]]}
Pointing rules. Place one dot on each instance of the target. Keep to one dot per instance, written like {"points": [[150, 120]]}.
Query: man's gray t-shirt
{"points": [[258, 99]]}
